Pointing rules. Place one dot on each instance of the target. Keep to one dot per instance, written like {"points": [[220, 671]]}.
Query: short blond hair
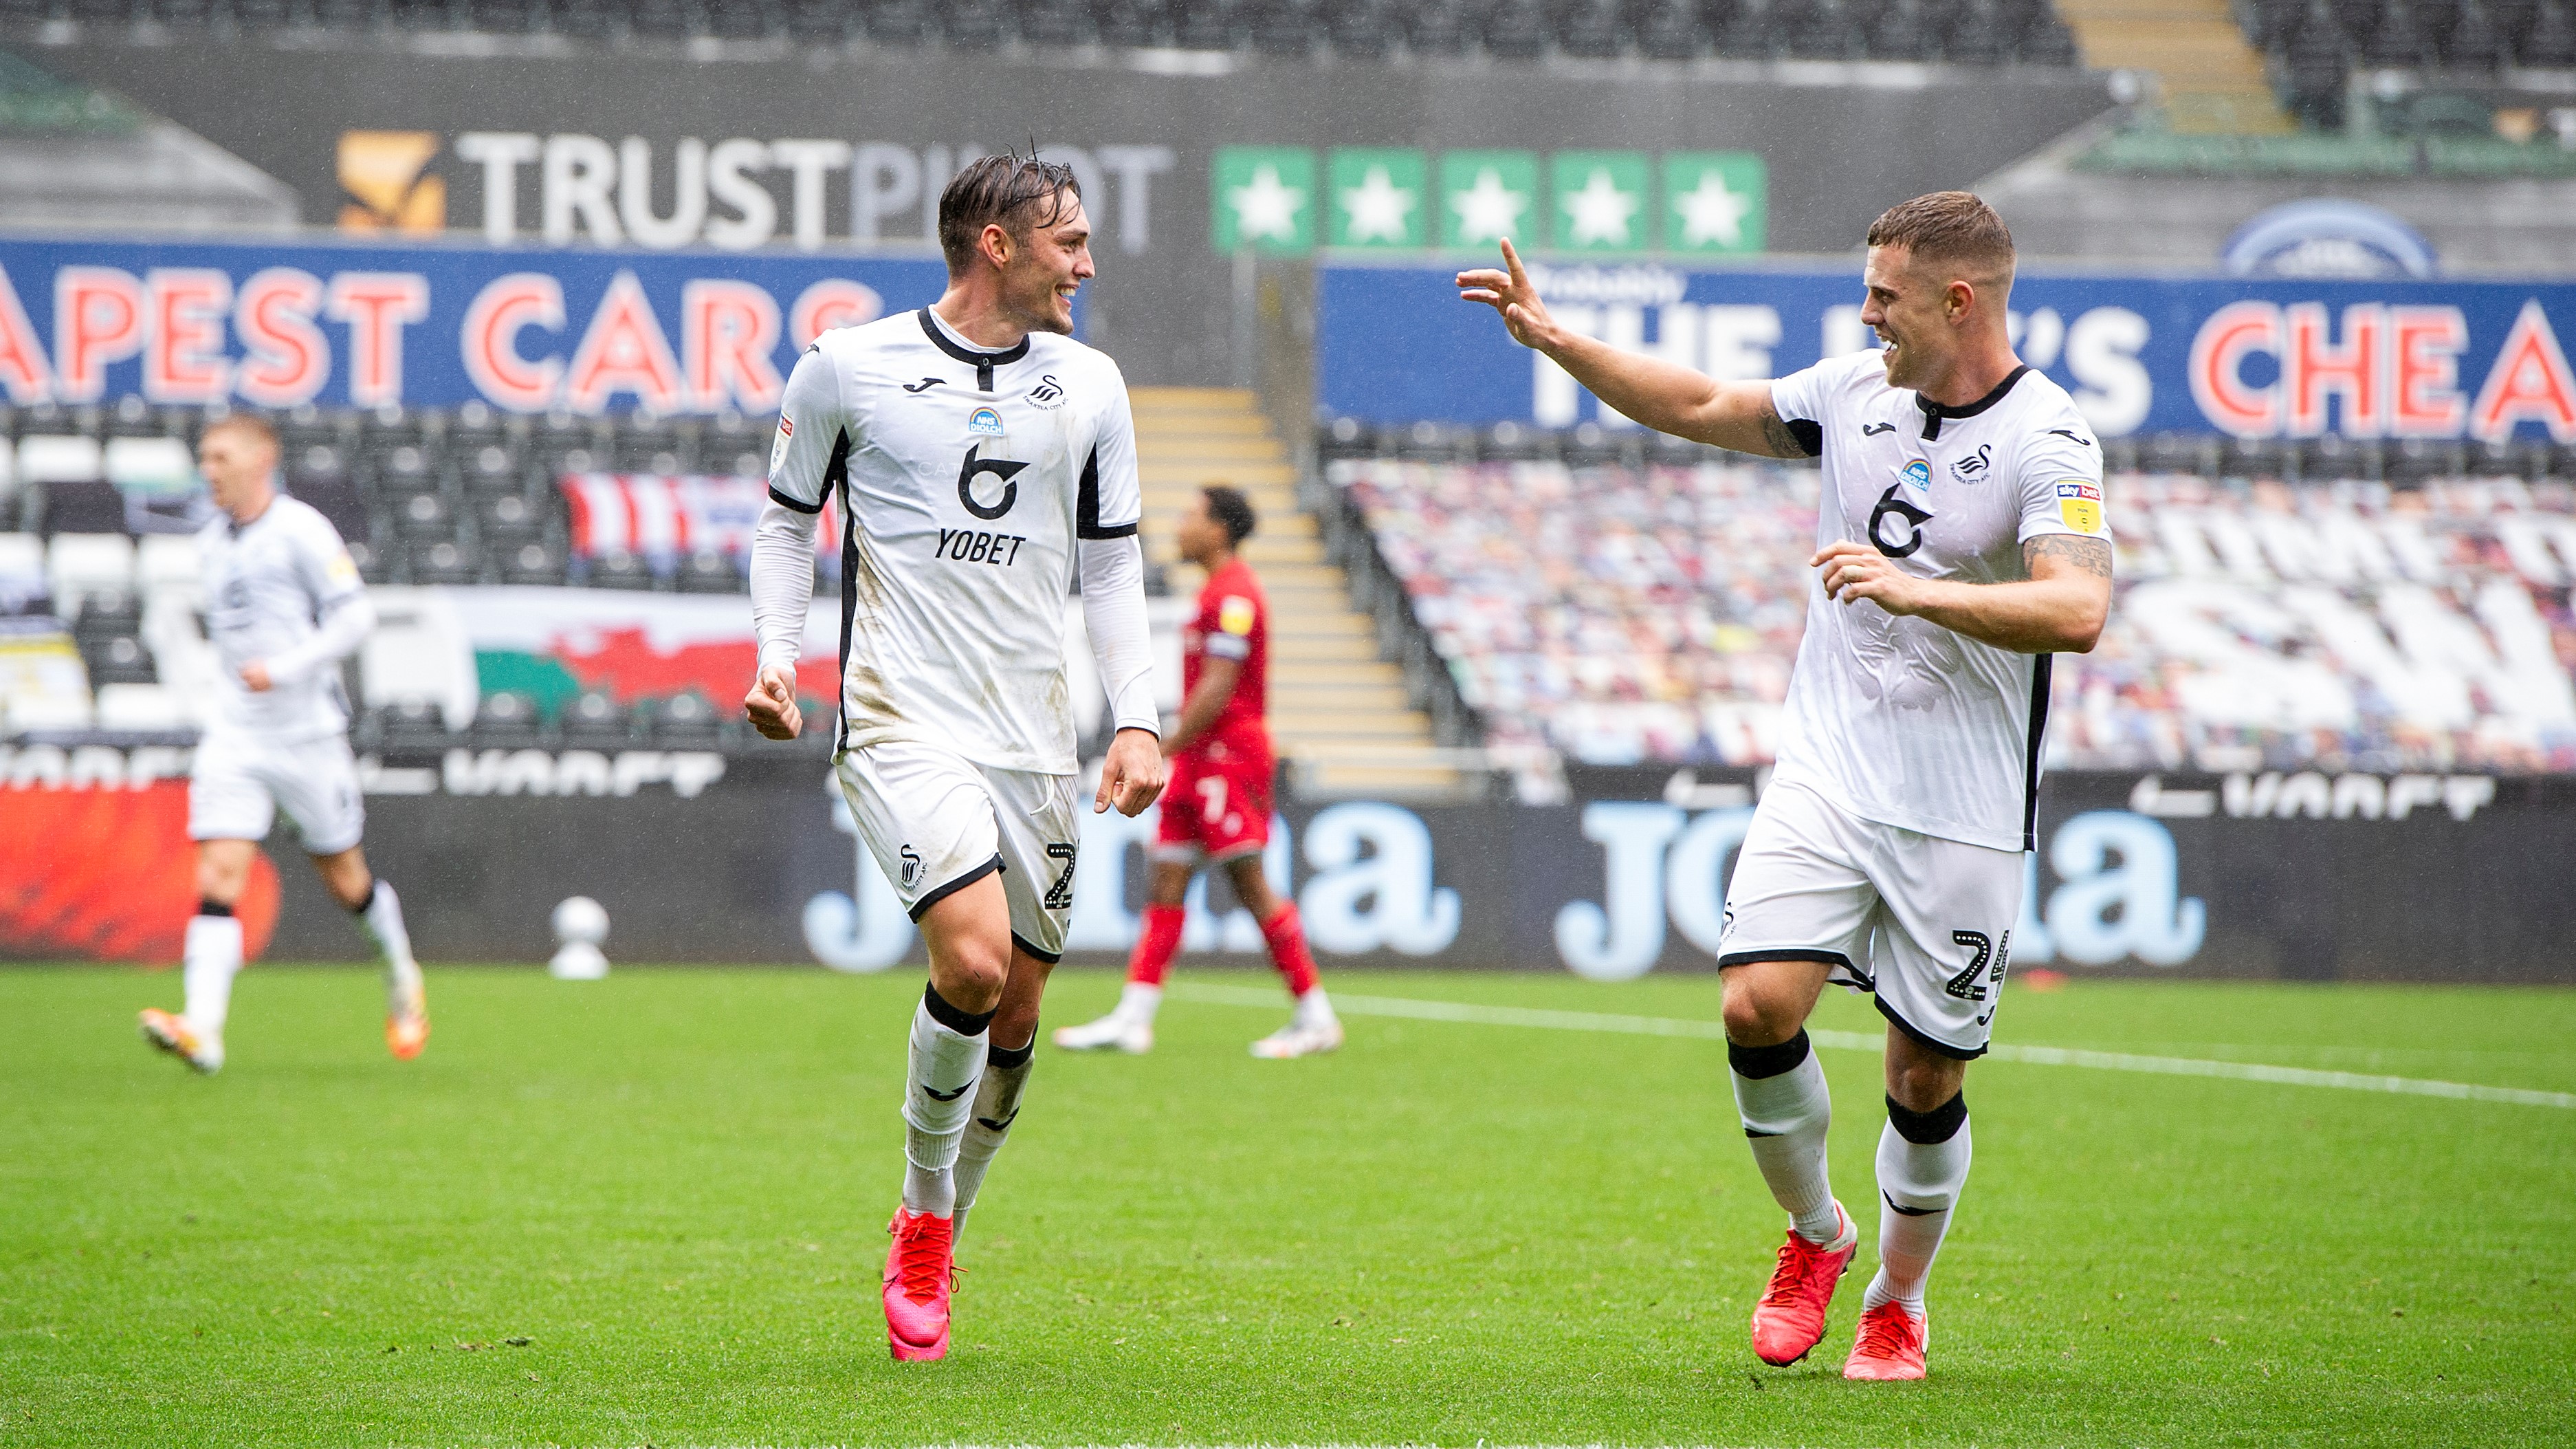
{"points": [[251, 423], [1953, 228]]}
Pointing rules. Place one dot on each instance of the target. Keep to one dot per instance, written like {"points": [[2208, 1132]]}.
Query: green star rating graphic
{"points": [[1263, 198], [1600, 201], [1715, 201], [1380, 199], [1486, 196]]}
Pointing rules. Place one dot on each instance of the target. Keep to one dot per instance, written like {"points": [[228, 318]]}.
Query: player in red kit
{"points": [[1216, 811]]}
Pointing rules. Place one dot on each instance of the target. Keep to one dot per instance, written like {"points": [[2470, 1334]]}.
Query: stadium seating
{"points": [[1975, 31], [1628, 611]]}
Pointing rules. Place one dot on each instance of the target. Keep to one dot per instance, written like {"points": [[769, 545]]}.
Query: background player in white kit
{"points": [[1960, 541], [984, 461], [283, 606]]}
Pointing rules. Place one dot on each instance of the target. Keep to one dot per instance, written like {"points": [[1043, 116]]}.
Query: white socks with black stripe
{"points": [[945, 1060], [1780, 1093], [209, 960], [1922, 1164], [382, 919], [997, 1106]]}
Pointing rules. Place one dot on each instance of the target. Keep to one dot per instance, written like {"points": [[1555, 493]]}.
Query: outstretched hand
{"points": [[1132, 776], [771, 705], [1510, 293]]}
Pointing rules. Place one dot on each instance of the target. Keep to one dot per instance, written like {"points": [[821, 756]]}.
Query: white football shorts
{"points": [[240, 782], [1922, 923], [937, 822]]}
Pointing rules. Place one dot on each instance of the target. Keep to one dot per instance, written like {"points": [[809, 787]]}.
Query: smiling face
{"points": [[1915, 312], [1042, 269]]}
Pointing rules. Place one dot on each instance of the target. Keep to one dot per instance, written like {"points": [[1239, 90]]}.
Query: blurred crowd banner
{"points": [[366, 325], [2141, 354], [702, 857]]}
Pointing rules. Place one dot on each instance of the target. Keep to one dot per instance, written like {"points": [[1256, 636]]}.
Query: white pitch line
{"points": [[1460, 1011]]}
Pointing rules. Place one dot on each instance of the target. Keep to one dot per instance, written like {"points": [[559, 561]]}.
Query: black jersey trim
{"points": [[940, 893], [2039, 675], [836, 474], [983, 362], [1809, 433], [783, 501], [1086, 505], [1934, 412]]}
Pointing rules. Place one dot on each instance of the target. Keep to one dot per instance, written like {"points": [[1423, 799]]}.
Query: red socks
{"points": [[1157, 944], [1287, 938], [1161, 940]]}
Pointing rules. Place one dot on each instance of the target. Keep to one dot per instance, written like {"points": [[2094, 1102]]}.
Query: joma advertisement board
{"points": [[701, 857], [2141, 354]]}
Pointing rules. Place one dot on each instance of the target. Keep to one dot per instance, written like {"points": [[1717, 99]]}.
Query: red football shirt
{"points": [[1233, 622]]}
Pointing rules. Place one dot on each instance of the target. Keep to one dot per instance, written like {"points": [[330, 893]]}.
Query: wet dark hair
{"points": [[1232, 512], [1017, 192]]}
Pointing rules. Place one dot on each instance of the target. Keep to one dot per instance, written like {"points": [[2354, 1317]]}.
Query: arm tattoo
{"points": [[2084, 555], [1777, 436]]}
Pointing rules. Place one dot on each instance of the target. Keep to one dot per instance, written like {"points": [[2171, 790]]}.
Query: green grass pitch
{"points": [[651, 1210]]}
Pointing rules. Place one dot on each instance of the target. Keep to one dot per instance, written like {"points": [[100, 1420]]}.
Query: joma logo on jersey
{"points": [[1918, 473], [1048, 393], [986, 423]]}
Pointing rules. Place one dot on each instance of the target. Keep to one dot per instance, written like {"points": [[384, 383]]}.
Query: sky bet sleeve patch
{"points": [[1234, 616], [2080, 504]]}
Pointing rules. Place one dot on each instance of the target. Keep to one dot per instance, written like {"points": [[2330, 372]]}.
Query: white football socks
{"points": [[209, 959], [1922, 1164], [944, 1062], [1137, 1002], [997, 1105], [1780, 1093], [1313, 1009], [382, 917]]}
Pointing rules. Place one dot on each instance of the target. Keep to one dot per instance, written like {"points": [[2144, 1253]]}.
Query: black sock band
{"points": [[964, 1023], [1755, 1063], [365, 900], [212, 907], [1012, 1058], [1926, 1129]]}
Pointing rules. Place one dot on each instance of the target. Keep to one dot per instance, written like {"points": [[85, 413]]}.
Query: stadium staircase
{"points": [[2211, 76], [1338, 710]]}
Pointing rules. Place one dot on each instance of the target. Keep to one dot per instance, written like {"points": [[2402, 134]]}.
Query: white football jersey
{"points": [[966, 478], [1899, 720], [268, 583]]}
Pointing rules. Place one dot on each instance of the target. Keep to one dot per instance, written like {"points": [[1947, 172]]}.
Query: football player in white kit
{"points": [[283, 606], [984, 462], [1960, 542]]}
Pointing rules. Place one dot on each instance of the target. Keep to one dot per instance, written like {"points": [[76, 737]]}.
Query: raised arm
{"points": [[1734, 415]]}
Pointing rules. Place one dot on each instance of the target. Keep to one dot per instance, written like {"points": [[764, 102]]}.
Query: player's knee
{"points": [[1924, 1085], [220, 880], [1755, 1017]]}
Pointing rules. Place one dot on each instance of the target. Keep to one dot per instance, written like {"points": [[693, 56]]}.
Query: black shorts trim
{"points": [[1943, 1048], [783, 501], [1791, 953], [1022, 943], [935, 896]]}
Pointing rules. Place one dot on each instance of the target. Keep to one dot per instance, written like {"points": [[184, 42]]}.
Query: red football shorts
{"points": [[1217, 806]]}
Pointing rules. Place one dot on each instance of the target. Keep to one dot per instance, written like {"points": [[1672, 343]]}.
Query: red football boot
{"points": [[918, 1272], [1790, 1320], [1890, 1344]]}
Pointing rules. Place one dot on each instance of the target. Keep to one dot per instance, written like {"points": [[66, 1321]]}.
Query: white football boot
{"points": [[1300, 1039], [1116, 1031]]}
